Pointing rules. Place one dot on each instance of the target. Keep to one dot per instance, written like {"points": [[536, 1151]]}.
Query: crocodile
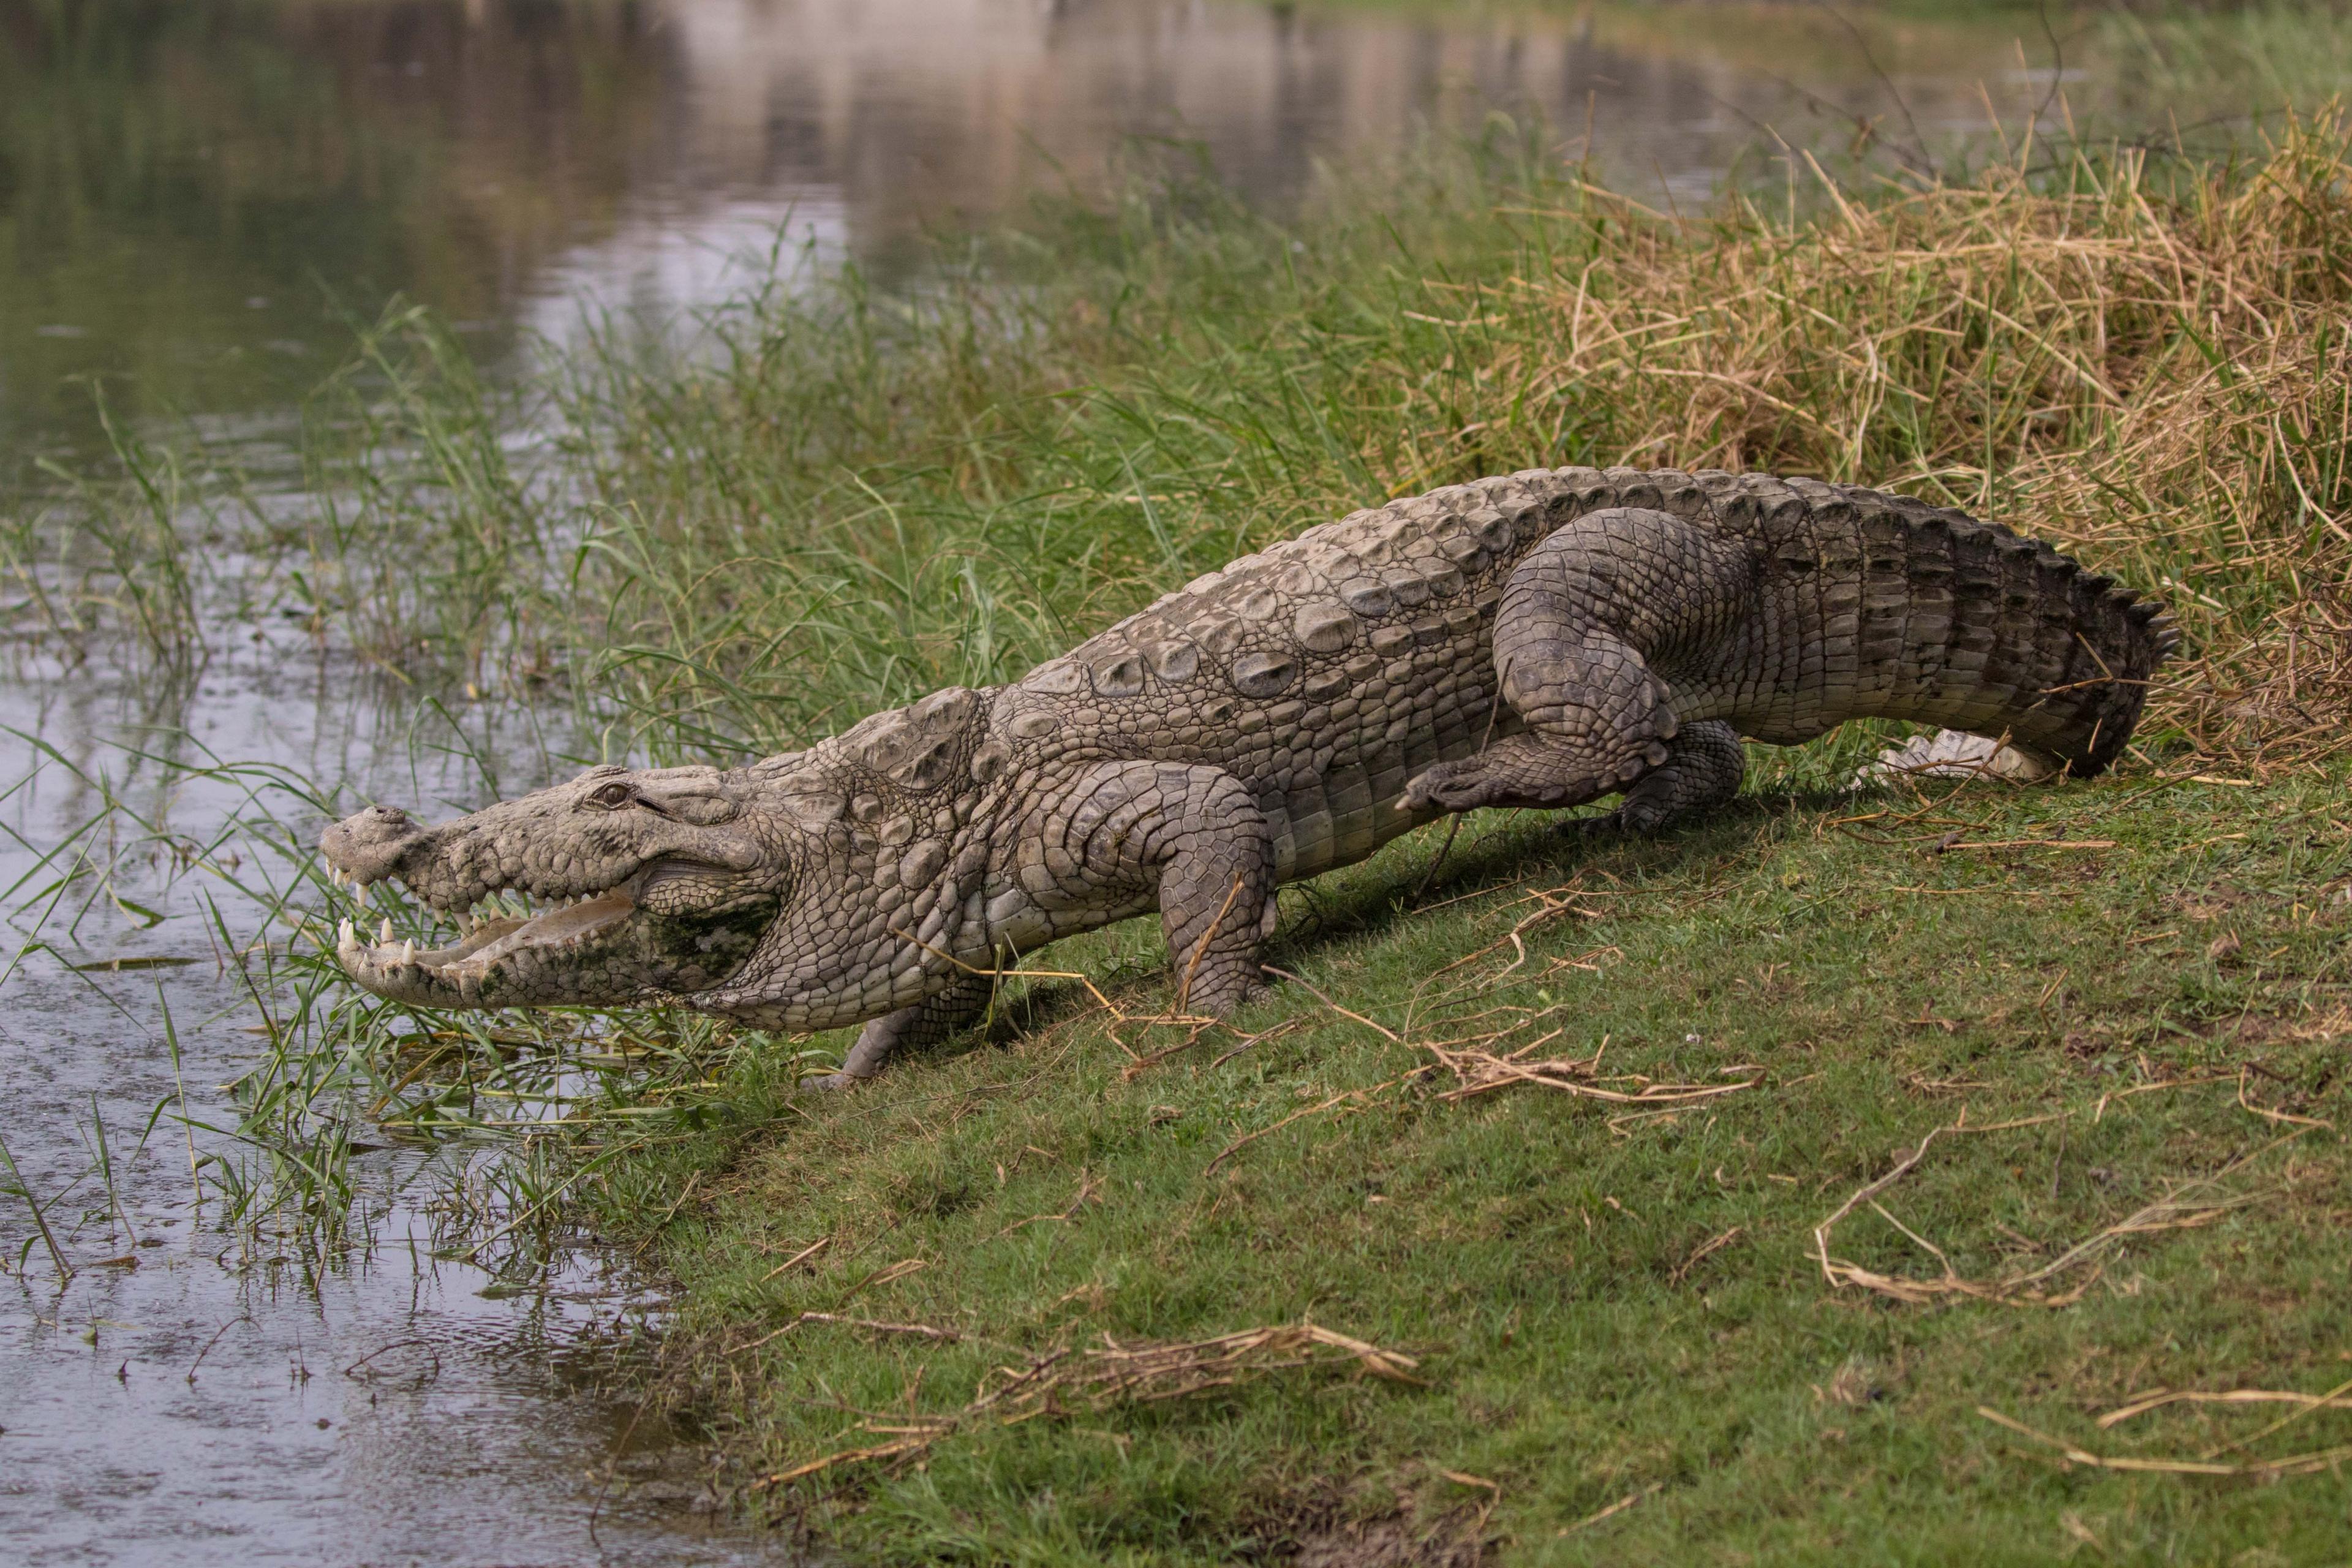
{"points": [[1539, 640]]}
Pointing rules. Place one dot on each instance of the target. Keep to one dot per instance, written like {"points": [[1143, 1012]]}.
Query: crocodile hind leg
{"points": [[1591, 626], [925, 1022], [1216, 896], [1705, 763]]}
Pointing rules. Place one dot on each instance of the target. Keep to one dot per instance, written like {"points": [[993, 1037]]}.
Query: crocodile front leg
{"points": [[1118, 837], [928, 1022]]}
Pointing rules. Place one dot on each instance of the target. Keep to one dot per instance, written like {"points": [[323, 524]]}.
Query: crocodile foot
{"points": [[1539, 771]]}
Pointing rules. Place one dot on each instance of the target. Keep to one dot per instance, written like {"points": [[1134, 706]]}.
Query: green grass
{"points": [[1545, 1257], [866, 499]]}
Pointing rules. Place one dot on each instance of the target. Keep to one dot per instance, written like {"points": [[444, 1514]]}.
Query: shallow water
{"points": [[195, 204], [194, 1394]]}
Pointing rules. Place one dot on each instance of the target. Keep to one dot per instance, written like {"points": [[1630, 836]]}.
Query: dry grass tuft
{"points": [[2157, 375]]}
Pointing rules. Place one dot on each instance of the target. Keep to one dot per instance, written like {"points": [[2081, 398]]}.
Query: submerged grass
{"points": [[1551, 1131]]}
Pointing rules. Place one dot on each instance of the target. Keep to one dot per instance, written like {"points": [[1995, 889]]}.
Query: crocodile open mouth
{"points": [[463, 965]]}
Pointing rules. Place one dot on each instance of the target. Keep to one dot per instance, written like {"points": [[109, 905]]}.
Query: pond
{"points": [[199, 204]]}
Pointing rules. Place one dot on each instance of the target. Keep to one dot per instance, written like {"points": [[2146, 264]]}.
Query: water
{"points": [[197, 200], [196, 204], [195, 1394]]}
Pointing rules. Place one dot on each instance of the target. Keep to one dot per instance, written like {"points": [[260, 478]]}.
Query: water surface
{"points": [[197, 200], [196, 1394]]}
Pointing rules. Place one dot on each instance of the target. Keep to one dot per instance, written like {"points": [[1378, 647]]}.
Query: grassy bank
{"points": [[2142, 1003], [913, 1316], [1597, 1319]]}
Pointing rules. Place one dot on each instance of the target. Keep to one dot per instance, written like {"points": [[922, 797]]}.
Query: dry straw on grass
{"points": [[2190, 1205], [2309, 1462], [2157, 1401], [1497, 1048], [1066, 1382]]}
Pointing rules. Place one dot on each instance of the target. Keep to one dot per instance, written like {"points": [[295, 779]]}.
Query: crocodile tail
{"points": [[1981, 629]]}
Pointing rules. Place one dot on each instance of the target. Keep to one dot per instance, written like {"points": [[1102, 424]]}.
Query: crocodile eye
{"points": [[611, 796]]}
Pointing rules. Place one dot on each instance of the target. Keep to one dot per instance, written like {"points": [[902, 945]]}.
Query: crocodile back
{"points": [[1327, 670]]}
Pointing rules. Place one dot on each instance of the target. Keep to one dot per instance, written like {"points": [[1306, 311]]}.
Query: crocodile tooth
{"points": [[407, 952], [345, 936], [384, 932]]}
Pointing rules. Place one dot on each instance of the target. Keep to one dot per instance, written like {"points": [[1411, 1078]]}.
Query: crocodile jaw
{"points": [[580, 952], [632, 886]]}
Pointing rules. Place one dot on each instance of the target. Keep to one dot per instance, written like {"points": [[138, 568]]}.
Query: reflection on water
{"points": [[197, 200]]}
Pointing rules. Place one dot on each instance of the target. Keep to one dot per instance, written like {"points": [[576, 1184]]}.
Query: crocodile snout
{"points": [[366, 846]]}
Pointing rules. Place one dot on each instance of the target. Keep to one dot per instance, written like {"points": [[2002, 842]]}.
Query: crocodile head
{"points": [[647, 883], [803, 892]]}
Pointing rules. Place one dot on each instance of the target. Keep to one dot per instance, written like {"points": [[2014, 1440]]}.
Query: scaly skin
{"points": [[1540, 640]]}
